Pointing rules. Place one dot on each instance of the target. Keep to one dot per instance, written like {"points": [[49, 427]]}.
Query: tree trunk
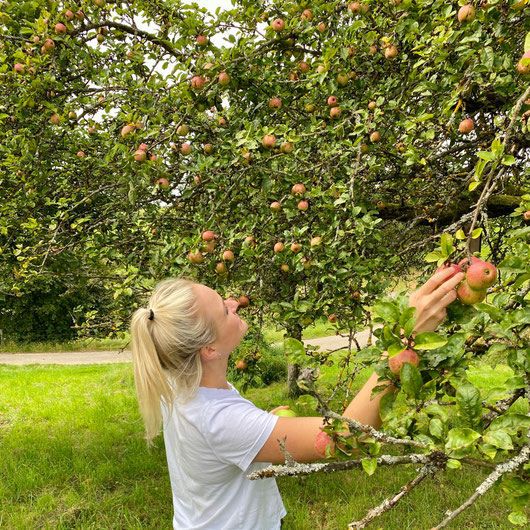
{"points": [[293, 370]]}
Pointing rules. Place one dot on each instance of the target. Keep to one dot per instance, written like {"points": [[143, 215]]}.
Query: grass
{"points": [[73, 456]]}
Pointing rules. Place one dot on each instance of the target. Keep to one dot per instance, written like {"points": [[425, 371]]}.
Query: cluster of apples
{"points": [[480, 275]]}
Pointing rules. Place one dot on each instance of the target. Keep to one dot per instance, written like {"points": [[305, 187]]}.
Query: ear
{"points": [[208, 353]]}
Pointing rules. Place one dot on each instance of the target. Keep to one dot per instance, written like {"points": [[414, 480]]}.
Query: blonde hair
{"points": [[166, 360]]}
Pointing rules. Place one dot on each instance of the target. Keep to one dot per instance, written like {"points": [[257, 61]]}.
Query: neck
{"points": [[214, 374]]}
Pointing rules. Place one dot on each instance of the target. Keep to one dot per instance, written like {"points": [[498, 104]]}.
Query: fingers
{"points": [[448, 285], [435, 281]]}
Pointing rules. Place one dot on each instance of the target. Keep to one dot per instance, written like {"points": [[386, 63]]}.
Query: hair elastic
{"points": [[151, 315]]}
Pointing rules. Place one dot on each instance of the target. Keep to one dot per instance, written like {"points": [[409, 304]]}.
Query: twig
{"points": [[505, 467]]}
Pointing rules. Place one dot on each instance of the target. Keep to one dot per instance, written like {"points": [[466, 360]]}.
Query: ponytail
{"points": [[166, 360]]}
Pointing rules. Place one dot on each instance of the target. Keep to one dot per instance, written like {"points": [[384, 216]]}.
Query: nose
{"points": [[233, 303]]}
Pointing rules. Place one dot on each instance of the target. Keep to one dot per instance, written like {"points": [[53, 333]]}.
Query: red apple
{"points": [[332, 318], [296, 247], [481, 275], [332, 101], [127, 129], [243, 301], [228, 255], [195, 258], [197, 82], [391, 52], [355, 7], [286, 147], [278, 25], [317, 240], [140, 155], [375, 137], [275, 206], [49, 44], [278, 247], [468, 296], [185, 149], [201, 40], [163, 183], [304, 67], [209, 246], [143, 147], [55, 119], [323, 440], [269, 141], [526, 215], [69, 15], [524, 69], [275, 103], [303, 205], [466, 126], [60, 28], [467, 262], [406, 356], [321, 27], [456, 269], [285, 267], [466, 14], [208, 235], [307, 15], [80, 15], [241, 364], [335, 112], [220, 268], [81, 154], [298, 189], [224, 78], [183, 130], [372, 105]]}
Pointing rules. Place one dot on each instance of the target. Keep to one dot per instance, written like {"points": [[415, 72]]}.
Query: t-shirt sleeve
{"points": [[237, 429]]}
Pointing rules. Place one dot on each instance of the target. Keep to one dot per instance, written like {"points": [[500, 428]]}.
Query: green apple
{"points": [[286, 413]]}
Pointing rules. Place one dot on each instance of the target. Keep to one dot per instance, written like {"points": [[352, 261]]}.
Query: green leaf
{"points": [[433, 256], [517, 518], [487, 155], [473, 185], [409, 327], [508, 160], [429, 340], [527, 42], [468, 404], [369, 465], [436, 428], [295, 352], [460, 234], [476, 233], [500, 439], [387, 311], [386, 404], [511, 423], [447, 244], [411, 380], [487, 377], [453, 464], [459, 438]]}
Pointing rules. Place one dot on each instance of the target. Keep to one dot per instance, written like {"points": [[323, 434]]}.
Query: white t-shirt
{"points": [[211, 442]]}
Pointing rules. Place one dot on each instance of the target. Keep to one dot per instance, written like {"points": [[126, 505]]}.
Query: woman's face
{"points": [[230, 328]]}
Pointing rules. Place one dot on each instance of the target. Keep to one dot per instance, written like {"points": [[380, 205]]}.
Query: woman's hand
{"points": [[431, 299], [279, 408]]}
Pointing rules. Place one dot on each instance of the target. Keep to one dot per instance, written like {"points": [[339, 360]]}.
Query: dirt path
{"points": [[106, 357]]}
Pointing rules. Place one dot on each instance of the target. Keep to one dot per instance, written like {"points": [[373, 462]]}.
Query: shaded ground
{"points": [[104, 357]]}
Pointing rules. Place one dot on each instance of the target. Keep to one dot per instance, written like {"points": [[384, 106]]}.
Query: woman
{"points": [[213, 436]]}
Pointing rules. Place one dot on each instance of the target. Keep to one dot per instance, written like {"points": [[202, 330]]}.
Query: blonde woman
{"points": [[214, 437]]}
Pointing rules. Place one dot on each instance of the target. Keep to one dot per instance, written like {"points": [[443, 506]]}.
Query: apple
{"points": [[296, 247], [372, 105], [321, 68], [248, 157], [152, 157], [306, 262], [208, 235], [243, 301], [269, 141], [208, 149], [400, 146], [278, 25], [526, 215], [481, 275], [298, 189], [185, 148], [197, 82], [335, 112], [303, 67], [60, 28], [468, 296], [36, 39], [524, 69], [275, 103], [201, 40], [466, 14], [195, 258], [406, 356], [100, 37], [332, 101], [285, 413], [127, 129], [466, 126], [375, 137], [100, 3], [163, 183], [321, 27], [278, 247], [317, 240], [355, 7], [286, 147], [221, 122], [183, 130], [303, 206], [72, 115], [391, 52], [138, 124], [285, 267], [224, 78], [307, 15], [241, 364], [143, 147], [342, 79], [356, 295], [91, 130], [18, 68], [55, 118], [140, 155], [275, 206], [69, 15], [49, 44], [209, 246], [323, 440], [250, 240], [81, 154], [467, 262], [220, 268], [228, 255], [332, 318], [80, 15]]}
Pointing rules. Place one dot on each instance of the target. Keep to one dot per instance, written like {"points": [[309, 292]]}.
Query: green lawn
{"points": [[73, 456]]}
